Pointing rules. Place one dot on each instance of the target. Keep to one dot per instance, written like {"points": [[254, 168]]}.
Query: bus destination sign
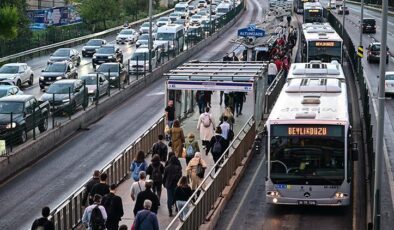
{"points": [[307, 131], [325, 44]]}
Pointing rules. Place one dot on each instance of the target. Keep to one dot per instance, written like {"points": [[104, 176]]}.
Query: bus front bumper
{"points": [[344, 201]]}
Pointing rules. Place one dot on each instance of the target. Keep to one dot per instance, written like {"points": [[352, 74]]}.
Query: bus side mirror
{"points": [[354, 152]]}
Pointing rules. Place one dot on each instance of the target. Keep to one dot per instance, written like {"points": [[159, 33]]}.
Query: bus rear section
{"points": [[308, 139], [313, 12]]}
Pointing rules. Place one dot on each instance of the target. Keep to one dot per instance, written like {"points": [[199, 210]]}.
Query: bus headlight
{"points": [[10, 125], [340, 195], [275, 200], [273, 193]]}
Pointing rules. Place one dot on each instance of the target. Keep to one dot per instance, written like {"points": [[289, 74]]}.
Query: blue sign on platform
{"points": [[251, 31]]}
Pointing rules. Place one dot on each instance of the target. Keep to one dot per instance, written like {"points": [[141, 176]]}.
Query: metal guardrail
{"points": [[68, 214], [47, 48], [273, 91], [213, 184]]}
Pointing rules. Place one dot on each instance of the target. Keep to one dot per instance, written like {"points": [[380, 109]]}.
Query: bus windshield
{"points": [[313, 15], [307, 154], [165, 36], [325, 51]]}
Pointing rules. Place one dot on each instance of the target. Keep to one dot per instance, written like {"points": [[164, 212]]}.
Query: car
{"points": [[66, 95], [341, 9], [202, 3], [389, 83], [373, 54], [196, 19], [127, 35], [94, 80], [182, 22], [183, 9], [107, 53], [27, 114], [17, 74], [163, 21], [55, 72], [8, 90], [139, 61], [65, 54], [369, 25], [174, 16], [92, 46], [143, 40], [192, 10], [194, 32], [114, 72], [144, 28]]}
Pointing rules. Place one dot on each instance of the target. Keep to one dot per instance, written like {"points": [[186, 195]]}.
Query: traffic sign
{"points": [[251, 31], [360, 51]]}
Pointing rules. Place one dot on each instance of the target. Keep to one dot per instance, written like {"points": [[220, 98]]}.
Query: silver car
{"points": [[91, 84]]}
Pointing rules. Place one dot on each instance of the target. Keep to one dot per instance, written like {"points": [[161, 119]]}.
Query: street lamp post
{"points": [[380, 128], [210, 18], [343, 20], [150, 36], [361, 33]]}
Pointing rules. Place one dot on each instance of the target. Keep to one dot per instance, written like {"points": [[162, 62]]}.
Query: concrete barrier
{"points": [[32, 151]]}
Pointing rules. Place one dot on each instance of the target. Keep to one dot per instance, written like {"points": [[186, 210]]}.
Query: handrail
{"points": [[201, 189]]}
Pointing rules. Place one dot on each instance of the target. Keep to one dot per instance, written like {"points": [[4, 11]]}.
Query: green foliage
{"points": [[9, 18], [93, 11]]}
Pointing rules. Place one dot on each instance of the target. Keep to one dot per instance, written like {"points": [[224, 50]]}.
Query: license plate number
{"points": [[306, 202]]}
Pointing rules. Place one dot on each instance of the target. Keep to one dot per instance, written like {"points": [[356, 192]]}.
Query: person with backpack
{"points": [[101, 188], [155, 171], [139, 164], [227, 132], [88, 196], [146, 195], [95, 216], [178, 138], [138, 186], [192, 170], [182, 193], [160, 148], [172, 174], [206, 127], [217, 145], [230, 117], [43, 223], [191, 146], [114, 208], [146, 219]]}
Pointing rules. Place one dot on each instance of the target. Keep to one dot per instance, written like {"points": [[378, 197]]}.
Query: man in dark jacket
{"points": [[101, 188], [160, 148], [114, 207], [217, 145], [146, 195], [92, 182], [172, 174], [227, 57], [43, 221]]}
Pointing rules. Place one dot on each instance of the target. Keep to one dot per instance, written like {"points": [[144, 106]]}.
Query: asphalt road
{"points": [[53, 178]]}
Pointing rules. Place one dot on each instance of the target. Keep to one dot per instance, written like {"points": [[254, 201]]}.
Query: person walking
{"points": [[160, 148], [155, 171], [94, 216], [230, 117], [178, 138], [239, 98], [138, 186], [172, 174], [272, 72], [191, 170], [207, 98], [279, 64], [43, 223], [146, 195], [234, 57], [191, 146], [200, 98], [206, 126], [217, 145], [114, 208], [146, 219], [227, 132], [139, 164], [101, 188], [88, 196], [182, 193], [170, 113], [227, 57]]}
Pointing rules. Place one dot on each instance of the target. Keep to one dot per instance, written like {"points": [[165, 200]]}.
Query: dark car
{"points": [[92, 46], [114, 72], [374, 53], [107, 53], [57, 71], [94, 80], [27, 114], [369, 25], [65, 54], [66, 95]]}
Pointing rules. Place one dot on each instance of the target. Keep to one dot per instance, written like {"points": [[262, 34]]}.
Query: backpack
{"points": [[97, 221], [217, 146], [190, 150], [156, 174], [160, 149], [206, 120], [107, 203], [137, 170], [230, 135]]}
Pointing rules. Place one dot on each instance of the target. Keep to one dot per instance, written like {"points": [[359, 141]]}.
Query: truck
{"points": [[20, 114]]}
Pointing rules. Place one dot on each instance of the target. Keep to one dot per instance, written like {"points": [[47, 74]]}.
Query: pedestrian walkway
{"points": [[188, 125]]}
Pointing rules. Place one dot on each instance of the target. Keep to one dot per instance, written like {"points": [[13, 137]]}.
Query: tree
{"points": [[9, 22], [93, 11]]}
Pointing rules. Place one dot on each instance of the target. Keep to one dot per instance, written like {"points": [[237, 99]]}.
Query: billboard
{"points": [[56, 16]]}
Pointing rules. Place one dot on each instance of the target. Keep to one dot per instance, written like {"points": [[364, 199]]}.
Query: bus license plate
{"points": [[306, 202]]}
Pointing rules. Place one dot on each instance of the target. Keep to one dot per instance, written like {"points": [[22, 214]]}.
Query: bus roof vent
{"points": [[314, 85], [305, 115], [311, 100]]}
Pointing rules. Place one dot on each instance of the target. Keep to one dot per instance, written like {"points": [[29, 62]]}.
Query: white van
{"points": [[183, 8], [170, 38], [223, 8], [139, 60]]}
